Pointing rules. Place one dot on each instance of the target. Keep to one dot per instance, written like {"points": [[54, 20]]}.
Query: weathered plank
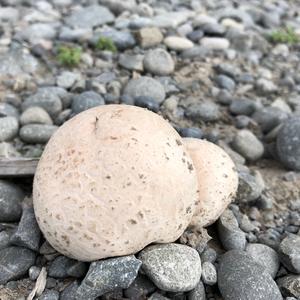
{"points": [[17, 167]]}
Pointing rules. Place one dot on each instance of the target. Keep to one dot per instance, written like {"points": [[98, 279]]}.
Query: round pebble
{"points": [[9, 127]]}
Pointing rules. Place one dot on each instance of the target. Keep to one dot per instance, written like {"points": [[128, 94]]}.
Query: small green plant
{"points": [[69, 56], [285, 36], [106, 44]]}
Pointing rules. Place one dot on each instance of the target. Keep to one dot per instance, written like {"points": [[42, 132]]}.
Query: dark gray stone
{"points": [[271, 238], [49, 295], [147, 102], [172, 267], [145, 86], [288, 144], [11, 197], [225, 82], [195, 35], [229, 232], [103, 278], [198, 293], [157, 296], [265, 256], [34, 272], [45, 99], [241, 278], [14, 263], [242, 107], [209, 255], [35, 115], [289, 253], [209, 273], [131, 62], [62, 267], [90, 16], [140, 288], [28, 233], [9, 127], [8, 110], [4, 238], [213, 29], [205, 111], [85, 101], [69, 293], [290, 286], [37, 133], [192, 132]]}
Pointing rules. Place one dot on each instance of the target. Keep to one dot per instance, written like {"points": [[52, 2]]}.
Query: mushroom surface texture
{"points": [[217, 180], [112, 180]]}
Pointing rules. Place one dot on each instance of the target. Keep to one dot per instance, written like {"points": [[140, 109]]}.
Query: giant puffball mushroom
{"points": [[217, 180], [112, 180]]}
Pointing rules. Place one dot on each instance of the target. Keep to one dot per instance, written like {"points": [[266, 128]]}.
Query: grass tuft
{"points": [[69, 56], [106, 44], [284, 36]]}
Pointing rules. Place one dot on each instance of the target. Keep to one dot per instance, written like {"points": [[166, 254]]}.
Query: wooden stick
{"points": [[17, 167]]}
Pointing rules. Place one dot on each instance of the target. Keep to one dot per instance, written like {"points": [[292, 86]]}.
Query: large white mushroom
{"points": [[217, 180], [112, 180]]}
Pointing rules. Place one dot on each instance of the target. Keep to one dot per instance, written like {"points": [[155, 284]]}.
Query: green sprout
{"points": [[106, 44], [285, 36], [69, 56]]}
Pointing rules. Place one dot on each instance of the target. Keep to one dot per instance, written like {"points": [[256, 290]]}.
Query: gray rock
{"points": [[225, 82], [213, 29], [209, 273], [248, 145], [269, 117], [75, 34], [85, 101], [289, 286], [69, 293], [145, 86], [10, 197], [7, 110], [241, 278], [149, 37], [47, 100], [118, 7], [159, 62], [195, 35], [242, 107], [172, 267], [288, 144], [198, 293], [205, 111], [157, 296], [131, 62], [34, 272], [38, 31], [90, 16], [195, 52], [103, 278], [4, 238], [14, 263], [122, 39], [249, 188], [265, 256], [37, 133], [229, 232], [7, 150], [271, 238], [9, 127], [67, 79], [266, 86], [60, 92], [62, 267], [28, 234], [289, 253], [215, 43], [140, 288], [35, 115], [147, 102], [49, 295], [209, 255]]}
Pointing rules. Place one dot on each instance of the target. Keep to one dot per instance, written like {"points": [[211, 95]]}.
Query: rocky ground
{"points": [[226, 71]]}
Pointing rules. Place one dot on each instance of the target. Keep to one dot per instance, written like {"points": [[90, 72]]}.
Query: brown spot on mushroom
{"points": [[108, 177], [132, 221], [190, 166], [58, 217], [113, 138], [178, 142]]}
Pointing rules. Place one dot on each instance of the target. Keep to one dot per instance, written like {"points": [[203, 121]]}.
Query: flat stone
{"points": [[145, 86], [90, 16], [215, 43], [131, 62], [49, 295], [248, 145], [8, 110], [205, 111], [178, 43], [289, 253], [37, 32], [229, 232], [140, 288], [37, 133], [159, 62], [265, 256], [147, 102], [240, 278], [290, 286], [28, 233], [85, 101], [14, 263], [149, 37], [35, 115], [172, 267], [67, 79], [10, 198], [288, 144], [225, 82], [48, 101], [209, 273], [242, 107], [103, 278], [69, 293], [9, 127]]}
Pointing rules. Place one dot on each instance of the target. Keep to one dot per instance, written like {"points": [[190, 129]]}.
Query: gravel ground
{"points": [[225, 71]]}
